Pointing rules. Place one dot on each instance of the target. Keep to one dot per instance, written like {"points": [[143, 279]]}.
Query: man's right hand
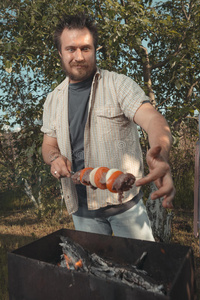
{"points": [[61, 167]]}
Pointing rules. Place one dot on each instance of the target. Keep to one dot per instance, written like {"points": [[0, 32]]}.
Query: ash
{"points": [[75, 258]]}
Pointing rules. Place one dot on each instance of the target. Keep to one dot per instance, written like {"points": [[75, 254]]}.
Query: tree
{"points": [[156, 45], [21, 163]]}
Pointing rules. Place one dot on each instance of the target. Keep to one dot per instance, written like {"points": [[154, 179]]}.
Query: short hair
{"points": [[77, 21]]}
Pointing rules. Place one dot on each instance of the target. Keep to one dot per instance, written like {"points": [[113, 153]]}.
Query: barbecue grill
{"points": [[34, 274]]}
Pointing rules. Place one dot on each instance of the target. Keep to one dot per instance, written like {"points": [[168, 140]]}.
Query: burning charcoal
{"points": [[76, 258]]}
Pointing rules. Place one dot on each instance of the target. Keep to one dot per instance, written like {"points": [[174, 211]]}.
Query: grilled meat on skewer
{"points": [[112, 179]]}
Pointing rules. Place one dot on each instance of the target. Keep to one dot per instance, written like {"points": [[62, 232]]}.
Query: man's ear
{"points": [[60, 53]]}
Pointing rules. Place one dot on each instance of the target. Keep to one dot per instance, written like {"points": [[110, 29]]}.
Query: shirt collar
{"points": [[65, 83]]}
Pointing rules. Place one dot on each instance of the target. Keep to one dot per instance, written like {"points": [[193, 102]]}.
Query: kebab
{"points": [[104, 178]]}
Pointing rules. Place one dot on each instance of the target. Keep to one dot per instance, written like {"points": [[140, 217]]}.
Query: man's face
{"points": [[78, 54]]}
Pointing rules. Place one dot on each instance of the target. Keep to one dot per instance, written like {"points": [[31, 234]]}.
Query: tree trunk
{"points": [[147, 75], [29, 193], [160, 218]]}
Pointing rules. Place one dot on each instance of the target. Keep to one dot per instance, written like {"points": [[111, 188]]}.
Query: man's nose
{"points": [[79, 55]]}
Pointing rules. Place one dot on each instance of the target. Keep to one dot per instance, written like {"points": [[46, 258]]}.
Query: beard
{"points": [[79, 74]]}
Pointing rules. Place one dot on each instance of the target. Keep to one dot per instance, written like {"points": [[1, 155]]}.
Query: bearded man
{"points": [[91, 120]]}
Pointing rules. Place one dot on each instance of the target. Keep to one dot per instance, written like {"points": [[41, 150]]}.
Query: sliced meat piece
{"points": [[83, 177], [123, 182], [86, 177]]}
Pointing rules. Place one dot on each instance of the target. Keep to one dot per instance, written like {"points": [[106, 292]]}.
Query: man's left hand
{"points": [[159, 172]]}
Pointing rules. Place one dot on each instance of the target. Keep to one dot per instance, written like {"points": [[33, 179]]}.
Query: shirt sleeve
{"points": [[49, 117], [130, 96]]}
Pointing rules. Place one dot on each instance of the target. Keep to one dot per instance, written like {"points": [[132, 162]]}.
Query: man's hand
{"points": [[61, 167], [159, 172]]}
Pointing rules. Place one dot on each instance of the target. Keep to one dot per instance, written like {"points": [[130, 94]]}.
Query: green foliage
{"points": [[183, 165], [170, 29], [13, 200]]}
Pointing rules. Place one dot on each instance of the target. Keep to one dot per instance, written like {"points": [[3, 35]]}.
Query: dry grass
{"points": [[22, 227], [183, 235]]}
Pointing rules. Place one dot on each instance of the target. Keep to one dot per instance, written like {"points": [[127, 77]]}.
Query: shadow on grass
{"points": [[32, 217], [26, 220], [8, 243]]}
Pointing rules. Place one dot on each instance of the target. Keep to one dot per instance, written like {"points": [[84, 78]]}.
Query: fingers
{"points": [[167, 202], [60, 172], [143, 181], [69, 166], [164, 184], [61, 167], [167, 196], [158, 167], [165, 191], [156, 174], [55, 173]]}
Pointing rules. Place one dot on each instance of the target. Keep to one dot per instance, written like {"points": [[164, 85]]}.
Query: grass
{"points": [[22, 226]]}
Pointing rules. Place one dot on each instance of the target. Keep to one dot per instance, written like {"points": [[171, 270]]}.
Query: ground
{"points": [[20, 227]]}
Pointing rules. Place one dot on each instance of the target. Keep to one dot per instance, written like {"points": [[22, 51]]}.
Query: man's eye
{"points": [[70, 50]]}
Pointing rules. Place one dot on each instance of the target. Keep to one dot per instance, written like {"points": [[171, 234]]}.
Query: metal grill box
{"points": [[34, 275]]}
